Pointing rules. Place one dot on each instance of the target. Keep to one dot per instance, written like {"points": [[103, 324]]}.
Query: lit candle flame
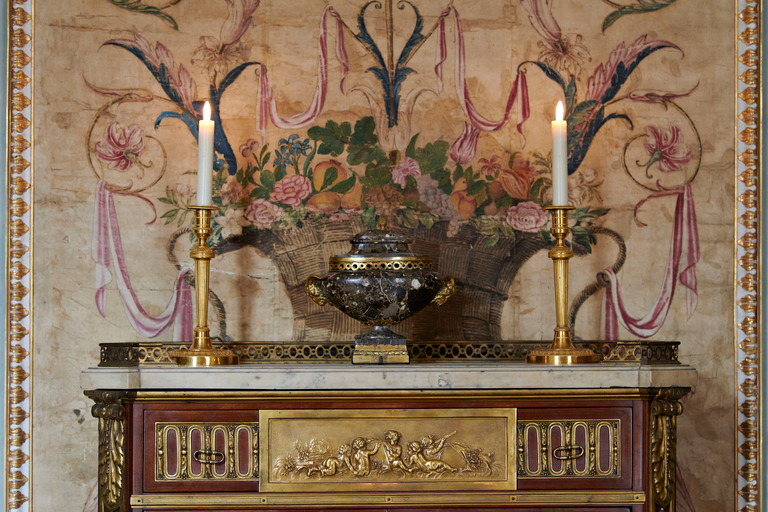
{"points": [[207, 112], [558, 111]]}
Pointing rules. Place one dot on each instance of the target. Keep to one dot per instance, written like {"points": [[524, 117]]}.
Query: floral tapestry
{"points": [[434, 116]]}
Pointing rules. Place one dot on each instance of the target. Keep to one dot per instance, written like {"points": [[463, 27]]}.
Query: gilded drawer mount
{"points": [[569, 448], [206, 451]]}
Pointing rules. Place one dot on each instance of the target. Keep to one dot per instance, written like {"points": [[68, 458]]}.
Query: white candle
{"points": [[205, 158], [559, 158]]}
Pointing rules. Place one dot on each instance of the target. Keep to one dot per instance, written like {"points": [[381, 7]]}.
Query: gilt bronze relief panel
{"points": [[406, 449]]}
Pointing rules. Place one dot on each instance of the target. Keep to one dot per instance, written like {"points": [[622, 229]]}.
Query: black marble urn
{"points": [[380, 283]]}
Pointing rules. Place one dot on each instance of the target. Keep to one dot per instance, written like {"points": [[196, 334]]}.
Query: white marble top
{"points": [[432, 376]]}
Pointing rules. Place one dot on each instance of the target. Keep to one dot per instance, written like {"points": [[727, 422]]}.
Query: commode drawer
{"points": [[201, 451], [568, 448]]}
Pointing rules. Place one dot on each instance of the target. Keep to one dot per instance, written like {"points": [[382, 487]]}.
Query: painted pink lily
{"points": [[121, 147], [665, 149]]}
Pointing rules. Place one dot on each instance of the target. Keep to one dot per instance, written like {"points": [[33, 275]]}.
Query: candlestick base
{"points": [[562, 351], [559, 356], [213, 357], [201, 352]]}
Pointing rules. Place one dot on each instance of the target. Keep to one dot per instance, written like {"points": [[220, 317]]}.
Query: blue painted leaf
{"points": [[549, 71], [233, 74], [186, 118], [624, 70], [220, 142], [415, 38], [364, 37], [570, 95]]}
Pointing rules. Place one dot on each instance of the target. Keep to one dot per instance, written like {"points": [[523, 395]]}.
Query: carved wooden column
{"points": [[109, 409], [665, 408]]}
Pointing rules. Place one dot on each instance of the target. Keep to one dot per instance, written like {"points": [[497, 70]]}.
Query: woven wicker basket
{"points": [[483, 278]]}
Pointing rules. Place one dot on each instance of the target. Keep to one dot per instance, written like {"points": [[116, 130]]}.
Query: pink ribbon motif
{"points": [[684, 236], [519, 87], [106, 247], [267, 104]]}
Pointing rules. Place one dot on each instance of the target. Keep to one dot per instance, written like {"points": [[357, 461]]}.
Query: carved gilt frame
{"points": [[19, 247]]}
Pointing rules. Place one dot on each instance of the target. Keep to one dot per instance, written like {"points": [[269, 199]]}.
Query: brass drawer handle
{"points": [[208, 457], [568, 452]]}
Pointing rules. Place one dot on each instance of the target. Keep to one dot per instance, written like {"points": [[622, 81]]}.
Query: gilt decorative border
{"points": [[747, 255], [254, 352], [19, 250], [18, 229]]}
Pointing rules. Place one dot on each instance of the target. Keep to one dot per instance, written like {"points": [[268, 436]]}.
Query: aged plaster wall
{"points": [[68, 328]]}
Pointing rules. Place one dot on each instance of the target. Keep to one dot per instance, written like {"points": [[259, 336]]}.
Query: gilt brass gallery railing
{"points": [[254, 352]]}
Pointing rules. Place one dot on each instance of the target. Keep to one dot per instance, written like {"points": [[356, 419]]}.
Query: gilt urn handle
{"points": [[315, 290]]}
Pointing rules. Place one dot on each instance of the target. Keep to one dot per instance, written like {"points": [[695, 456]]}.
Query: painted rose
{"points": [[120, 147], [527, 216], [464, 148], [291, 190], [232, 222], [408, 167], [263, 213], [665, 148]]}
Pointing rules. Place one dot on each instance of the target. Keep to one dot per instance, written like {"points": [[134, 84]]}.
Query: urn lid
{"points": [[380, 248], [379, 240]]}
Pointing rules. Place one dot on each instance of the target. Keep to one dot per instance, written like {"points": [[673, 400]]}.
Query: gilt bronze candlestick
{"points": [[201, 352], [562, 351]]}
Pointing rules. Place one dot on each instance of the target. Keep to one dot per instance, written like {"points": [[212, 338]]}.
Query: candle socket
{"points": [[201, 352], [562, 351]]}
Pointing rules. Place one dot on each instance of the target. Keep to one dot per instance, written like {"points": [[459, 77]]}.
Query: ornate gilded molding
{"points": [[252, 352], [18, 271], [109, 410], [747, 254], [665, 408]]}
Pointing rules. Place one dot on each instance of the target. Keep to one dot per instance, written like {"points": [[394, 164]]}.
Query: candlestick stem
{"points": [[562, 351], [201, 352]]}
